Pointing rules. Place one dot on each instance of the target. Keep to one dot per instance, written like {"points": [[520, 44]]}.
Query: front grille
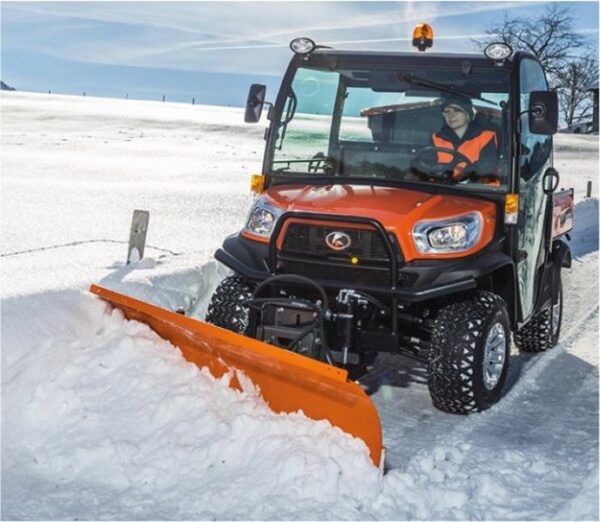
{"points": [[337, 273], [307, 239], [304, 251]]}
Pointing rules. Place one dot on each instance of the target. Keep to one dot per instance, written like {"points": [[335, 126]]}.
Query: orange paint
{"points": [[398, 210]]}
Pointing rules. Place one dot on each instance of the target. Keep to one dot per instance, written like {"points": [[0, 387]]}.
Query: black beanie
{"points": [[464, 103]]}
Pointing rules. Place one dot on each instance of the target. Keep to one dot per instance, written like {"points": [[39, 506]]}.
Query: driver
{"points": [[464, 135]]}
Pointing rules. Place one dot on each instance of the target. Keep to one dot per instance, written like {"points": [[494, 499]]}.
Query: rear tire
{"points": [[541, 333], [470, 353], [226, 308]]}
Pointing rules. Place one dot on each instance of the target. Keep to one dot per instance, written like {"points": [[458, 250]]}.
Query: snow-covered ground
{"points": [[103, 420]]}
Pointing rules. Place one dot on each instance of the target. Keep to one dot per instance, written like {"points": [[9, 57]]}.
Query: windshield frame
{"points": [[333, 60]]}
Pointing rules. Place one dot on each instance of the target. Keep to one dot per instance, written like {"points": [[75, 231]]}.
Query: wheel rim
{"points": [[556, 311], [494, 356]]}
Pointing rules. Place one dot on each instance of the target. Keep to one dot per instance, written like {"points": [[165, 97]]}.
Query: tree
{"points": [[574, 80], [550, 36], [567, 57]]}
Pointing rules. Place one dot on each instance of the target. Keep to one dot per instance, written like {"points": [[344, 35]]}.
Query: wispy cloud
{"points": [[250, 37]]}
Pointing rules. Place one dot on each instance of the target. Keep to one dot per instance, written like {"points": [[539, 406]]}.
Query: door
{"points": [[535, 158]]}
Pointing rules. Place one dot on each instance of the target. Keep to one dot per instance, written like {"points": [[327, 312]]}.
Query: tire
{"points": [[541, 333], [226, 307], [462, 378]]}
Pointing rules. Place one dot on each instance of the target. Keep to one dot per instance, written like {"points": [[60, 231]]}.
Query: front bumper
{"points": [[416, 281]]}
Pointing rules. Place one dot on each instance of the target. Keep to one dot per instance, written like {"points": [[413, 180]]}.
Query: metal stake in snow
{"points": [[137, 235]]}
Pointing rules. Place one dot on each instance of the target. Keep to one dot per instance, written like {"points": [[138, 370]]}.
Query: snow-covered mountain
{"points": [[101, 419], [4, 87]]}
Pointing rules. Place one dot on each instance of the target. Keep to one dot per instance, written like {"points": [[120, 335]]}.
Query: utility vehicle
{"points": [[361, 241], [365, 235]]}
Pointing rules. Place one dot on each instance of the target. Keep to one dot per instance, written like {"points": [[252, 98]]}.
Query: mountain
{"points": [[5, 87]]}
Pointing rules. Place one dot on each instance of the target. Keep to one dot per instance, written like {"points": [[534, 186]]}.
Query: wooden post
{"points": [[589, 190]]}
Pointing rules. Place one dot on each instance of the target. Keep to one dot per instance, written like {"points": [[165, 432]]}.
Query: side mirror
{"points": [[255, 102], [543, 112]]}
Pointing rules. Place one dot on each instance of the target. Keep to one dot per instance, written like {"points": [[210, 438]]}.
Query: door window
{"points": [[535, 157]]}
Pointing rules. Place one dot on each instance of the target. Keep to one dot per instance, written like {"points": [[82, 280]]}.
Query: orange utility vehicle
{"points": [[367, 236]]}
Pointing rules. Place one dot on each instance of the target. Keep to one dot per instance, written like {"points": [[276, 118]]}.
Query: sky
{"points": [[210, 52]]}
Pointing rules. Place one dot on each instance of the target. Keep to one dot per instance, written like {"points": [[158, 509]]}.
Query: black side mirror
{"points": [[543, 112], [255, 102]]}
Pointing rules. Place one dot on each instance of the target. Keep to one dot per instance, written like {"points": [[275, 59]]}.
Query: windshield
{"points": [[434, 125]]}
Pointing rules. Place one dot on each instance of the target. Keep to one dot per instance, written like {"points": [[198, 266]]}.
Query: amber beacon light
{"points": [[422, 37]]}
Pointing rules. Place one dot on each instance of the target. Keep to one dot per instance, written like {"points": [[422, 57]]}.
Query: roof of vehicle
{"points": [[421, 57]]}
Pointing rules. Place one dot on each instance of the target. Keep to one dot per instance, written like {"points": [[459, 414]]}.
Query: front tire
{"points": [[226, 308], [470, 353]]}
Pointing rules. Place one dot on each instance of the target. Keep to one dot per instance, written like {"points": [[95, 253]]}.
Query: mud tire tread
{"points": [[226, 309], [536, 335], [455, 361]]}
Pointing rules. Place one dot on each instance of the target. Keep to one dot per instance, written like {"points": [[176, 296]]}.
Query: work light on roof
{"points": [[498, 51], [302, 45]]}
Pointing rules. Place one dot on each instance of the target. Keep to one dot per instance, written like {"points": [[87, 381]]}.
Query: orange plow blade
{"points": [[288, 382]]}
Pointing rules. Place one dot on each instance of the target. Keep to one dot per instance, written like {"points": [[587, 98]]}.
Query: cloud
{"points": [[247, 37]]}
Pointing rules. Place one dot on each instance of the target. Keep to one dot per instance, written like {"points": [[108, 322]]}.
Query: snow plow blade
{"points": [[288, 382]]}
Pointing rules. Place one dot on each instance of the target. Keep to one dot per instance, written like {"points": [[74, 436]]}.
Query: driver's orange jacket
{"points": [[478, 145]]}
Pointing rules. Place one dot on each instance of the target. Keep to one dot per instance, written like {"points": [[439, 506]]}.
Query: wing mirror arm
{"points": [[537, 111]]}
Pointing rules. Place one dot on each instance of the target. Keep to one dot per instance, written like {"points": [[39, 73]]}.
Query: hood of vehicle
{"points": [[397, 209]]}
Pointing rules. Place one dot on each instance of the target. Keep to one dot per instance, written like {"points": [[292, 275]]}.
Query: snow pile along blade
{"points": [[288, 382]]}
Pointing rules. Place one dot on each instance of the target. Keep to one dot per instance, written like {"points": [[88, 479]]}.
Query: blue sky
{"points": [[212, 51]]}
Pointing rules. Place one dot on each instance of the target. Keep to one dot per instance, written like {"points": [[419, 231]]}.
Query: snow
{"points": [[103, 420]]}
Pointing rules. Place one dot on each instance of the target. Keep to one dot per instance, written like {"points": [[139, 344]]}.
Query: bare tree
{"points": [[574, 80], [570, 64], [550, 36]]}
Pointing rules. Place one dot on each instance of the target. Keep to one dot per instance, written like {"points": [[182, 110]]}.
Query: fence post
{"points": [[589, 190], [137, 235], [163, 97]]}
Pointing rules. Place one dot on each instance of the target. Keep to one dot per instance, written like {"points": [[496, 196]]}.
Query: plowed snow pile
{"points": [[101, 419]]}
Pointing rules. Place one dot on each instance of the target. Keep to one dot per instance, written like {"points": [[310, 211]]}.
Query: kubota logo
{"points": [[338, 240]]}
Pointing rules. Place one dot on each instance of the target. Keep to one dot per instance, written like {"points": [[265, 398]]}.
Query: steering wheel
{"points": [[426, 162]]}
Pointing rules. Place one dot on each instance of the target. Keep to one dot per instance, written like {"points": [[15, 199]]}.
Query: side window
{"points": [[536, 148]]}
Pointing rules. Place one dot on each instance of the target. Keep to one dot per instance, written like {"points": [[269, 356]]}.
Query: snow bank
{"points": [[103, 420]]}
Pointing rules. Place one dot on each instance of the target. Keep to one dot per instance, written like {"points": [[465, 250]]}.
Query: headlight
{"points": [[448, 236], [262, 219]]}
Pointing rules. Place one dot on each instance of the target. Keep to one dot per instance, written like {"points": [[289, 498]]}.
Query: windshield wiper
{"points": [[416, 80], [289, 115]]}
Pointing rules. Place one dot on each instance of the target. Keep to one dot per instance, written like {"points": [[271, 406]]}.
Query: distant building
{"points": [[594, 89]]}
